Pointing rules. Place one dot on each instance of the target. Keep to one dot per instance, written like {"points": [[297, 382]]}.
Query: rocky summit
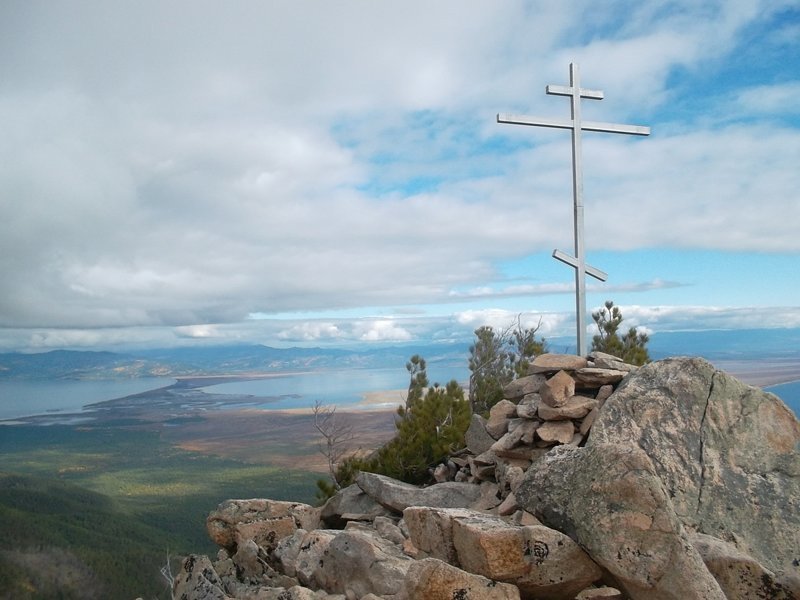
{"points": [[592, 479]]}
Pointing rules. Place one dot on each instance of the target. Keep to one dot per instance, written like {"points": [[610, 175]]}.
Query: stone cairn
{"points": [[381, 538], [469, 535]]}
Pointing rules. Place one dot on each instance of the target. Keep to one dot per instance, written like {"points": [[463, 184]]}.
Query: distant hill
{"points": [[209, 360], [751, 344]]}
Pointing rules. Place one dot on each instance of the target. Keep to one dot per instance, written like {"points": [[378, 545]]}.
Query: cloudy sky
{"points": [[297, 172]]}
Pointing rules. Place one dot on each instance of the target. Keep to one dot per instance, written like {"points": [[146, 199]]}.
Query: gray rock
{"points": [[197, 580], [477, 438], [499, 416], [728, 453], [523, 386], [528, 406], [397, 495], [609, 500], [363, 562], [350, 501], [602, 360]]}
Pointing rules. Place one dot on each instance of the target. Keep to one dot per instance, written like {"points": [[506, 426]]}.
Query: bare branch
{"points": [[336, 437]]}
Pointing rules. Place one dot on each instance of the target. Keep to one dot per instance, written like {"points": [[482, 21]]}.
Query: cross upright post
{"points": [[576, 125]]}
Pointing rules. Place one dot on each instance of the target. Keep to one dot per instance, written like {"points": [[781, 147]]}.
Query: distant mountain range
{"points": [[209, 360]]}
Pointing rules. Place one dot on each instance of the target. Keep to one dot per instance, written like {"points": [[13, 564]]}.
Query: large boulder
{"points": [[728, 454], [609, 500], [739, 575]]}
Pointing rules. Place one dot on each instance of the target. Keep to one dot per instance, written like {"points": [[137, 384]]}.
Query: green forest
{"points": [[94, 512]]}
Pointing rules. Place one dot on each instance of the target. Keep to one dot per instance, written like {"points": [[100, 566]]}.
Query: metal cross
{"points": [[578, 262]]}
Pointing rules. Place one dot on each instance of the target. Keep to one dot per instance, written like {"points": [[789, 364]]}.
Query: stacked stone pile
{"points": [[670, 482], [556, 404]]}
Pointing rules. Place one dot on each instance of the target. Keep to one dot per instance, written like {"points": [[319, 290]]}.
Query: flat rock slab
{"points": [[398, 495], [550, 363]]}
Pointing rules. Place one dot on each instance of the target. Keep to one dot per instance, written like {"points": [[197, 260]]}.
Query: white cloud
{"points": [[382, 330], [271, 158]]}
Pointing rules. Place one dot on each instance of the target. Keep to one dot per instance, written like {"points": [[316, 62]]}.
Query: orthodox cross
{"points": [[578, 262]]}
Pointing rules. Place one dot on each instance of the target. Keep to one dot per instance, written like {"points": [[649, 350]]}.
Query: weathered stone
{"points": [[250, 560], [362, 561], [490, 497], [434, 579], [350, 500], [528, 406], [197, 580], [508, 506], [388, 530], [507, 442], [301, 556], [525, 428], [600, 593], [602, 360], [509, 475], [603, 393], [556, 431], [477, 438], [523, 386], [576, 407], [550, 363], [557, 390], [588, 421], [231, 517], [441, 473], [397, 495], [483, 467], [431, 530], [728, 453], [541, 562], [594, 377], [499, 416], [739, 575], [609, 500], [264, 532]]}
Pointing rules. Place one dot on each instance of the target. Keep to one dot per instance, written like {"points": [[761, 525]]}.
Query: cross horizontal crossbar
{"points": [[585, 125], [573, 262], [563, 90]]}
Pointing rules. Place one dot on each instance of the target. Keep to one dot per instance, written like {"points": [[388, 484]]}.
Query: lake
{"points": [[26, 398], [789, 393], [346, 387]]}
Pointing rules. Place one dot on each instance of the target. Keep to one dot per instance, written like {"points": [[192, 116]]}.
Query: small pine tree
{"points": [[630, 347], [429, 427], [495, 359]]}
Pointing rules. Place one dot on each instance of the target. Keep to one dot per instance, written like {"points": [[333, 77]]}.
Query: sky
{"points": [[333, 173]]}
